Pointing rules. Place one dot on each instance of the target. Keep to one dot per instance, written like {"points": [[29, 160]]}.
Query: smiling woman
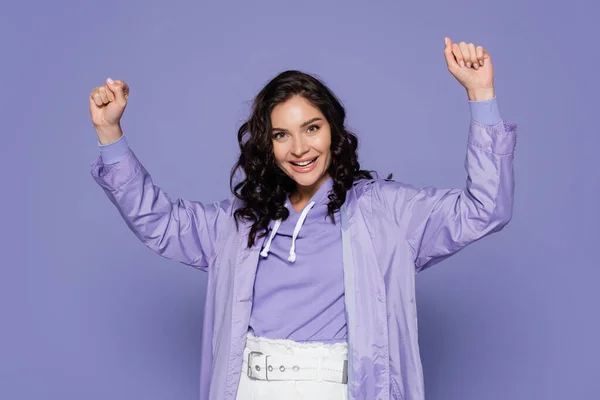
{"points": [[303, 149], [296, 140], [312, 262]]}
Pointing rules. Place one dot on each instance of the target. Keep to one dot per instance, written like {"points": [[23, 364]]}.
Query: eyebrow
{"points": [[304, 124]]}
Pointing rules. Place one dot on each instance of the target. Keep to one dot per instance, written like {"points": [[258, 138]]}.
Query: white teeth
{"points": [[304, 163]]}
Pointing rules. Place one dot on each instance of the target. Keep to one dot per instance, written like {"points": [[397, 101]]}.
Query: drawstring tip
{"points": [[292, 258], [264, 253]]}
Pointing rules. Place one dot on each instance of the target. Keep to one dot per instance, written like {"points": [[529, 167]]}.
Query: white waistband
{"points": [[277, 360]]}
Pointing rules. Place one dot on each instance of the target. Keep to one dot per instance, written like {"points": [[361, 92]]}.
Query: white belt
{"points": [[280, 367]]}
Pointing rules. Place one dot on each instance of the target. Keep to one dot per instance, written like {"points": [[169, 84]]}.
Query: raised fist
{"points": [[108, 102]]}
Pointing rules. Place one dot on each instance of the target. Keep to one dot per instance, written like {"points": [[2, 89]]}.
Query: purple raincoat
{"points": [[390, 232]]}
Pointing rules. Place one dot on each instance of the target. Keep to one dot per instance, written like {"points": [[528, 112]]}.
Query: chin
{"points": [[305, 181], [308, 180]]}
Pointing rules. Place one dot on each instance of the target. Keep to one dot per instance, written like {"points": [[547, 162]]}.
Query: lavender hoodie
{"points": [[390, 232]]}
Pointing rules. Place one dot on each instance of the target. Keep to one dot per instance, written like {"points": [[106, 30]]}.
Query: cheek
{"points": [[324, 143], [278, 152]]}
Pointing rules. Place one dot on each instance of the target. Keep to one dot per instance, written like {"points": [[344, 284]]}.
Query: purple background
{"points": [[89, 313]]}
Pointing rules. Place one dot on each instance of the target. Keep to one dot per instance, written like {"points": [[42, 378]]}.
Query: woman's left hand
{"points": [[472, 67]]}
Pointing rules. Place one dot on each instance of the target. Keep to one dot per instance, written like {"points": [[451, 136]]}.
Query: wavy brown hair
{"points": [[265, 186]]}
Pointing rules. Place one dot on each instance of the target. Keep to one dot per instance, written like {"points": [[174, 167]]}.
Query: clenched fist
{"points": [[107, 104], [472, 67]]}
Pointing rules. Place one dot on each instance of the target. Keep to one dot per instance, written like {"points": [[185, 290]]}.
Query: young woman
{"points": [[311, 263]]}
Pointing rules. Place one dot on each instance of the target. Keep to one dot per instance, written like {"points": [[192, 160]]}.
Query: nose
{"points": [[299, 146]]}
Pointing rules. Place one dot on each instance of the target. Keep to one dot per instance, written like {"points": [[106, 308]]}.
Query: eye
{"points": [[278, 135], [313, 128]]}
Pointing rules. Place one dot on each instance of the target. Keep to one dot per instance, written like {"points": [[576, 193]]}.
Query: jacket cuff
{"points": [[115, 151], [485, 112]]}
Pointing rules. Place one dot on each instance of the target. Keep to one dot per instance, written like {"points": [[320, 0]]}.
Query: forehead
{"points": [[294, 111]]}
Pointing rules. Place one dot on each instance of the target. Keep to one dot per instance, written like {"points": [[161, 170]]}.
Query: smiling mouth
{"points": [[304, 164]]}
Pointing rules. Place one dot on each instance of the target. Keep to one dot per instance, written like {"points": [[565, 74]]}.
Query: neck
{"points": [[300, 197]]}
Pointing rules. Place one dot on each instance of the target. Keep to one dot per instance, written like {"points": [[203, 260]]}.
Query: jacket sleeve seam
{"points": [[389, 214], [229, 213], [493, 129], [478, 147]]}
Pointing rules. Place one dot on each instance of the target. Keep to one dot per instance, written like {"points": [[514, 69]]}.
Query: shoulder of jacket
{"points": [[365, 186], [226, 206], [382, 192]]}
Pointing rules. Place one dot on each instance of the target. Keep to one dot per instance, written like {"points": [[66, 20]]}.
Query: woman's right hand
{"points": [[107, 104]]}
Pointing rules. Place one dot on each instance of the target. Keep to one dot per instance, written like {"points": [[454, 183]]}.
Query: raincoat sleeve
{"points": [[180, 230], [439, 222]]}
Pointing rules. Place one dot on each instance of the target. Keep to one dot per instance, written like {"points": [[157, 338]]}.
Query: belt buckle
{"points": [[250, 370]]}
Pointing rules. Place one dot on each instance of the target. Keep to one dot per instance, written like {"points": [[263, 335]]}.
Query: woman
{"points": [[311, 264]]}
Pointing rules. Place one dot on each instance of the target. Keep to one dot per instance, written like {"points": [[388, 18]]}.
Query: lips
{"points": [[304, 165]]}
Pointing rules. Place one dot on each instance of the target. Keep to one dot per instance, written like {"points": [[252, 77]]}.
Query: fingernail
{"points": [[481, 62], [462, 64], [476, 66], [110, 81], [446, 41], [468, 64]]}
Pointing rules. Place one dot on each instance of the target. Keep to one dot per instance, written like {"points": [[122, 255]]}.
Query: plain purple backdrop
{"points": [[87, 312]]}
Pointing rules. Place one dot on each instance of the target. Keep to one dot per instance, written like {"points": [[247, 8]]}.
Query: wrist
{"points": [[108, 134], [481, 94]]}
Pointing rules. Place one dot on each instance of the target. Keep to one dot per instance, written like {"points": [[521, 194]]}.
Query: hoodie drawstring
{"points": [[265, 251], [292, 256]]}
